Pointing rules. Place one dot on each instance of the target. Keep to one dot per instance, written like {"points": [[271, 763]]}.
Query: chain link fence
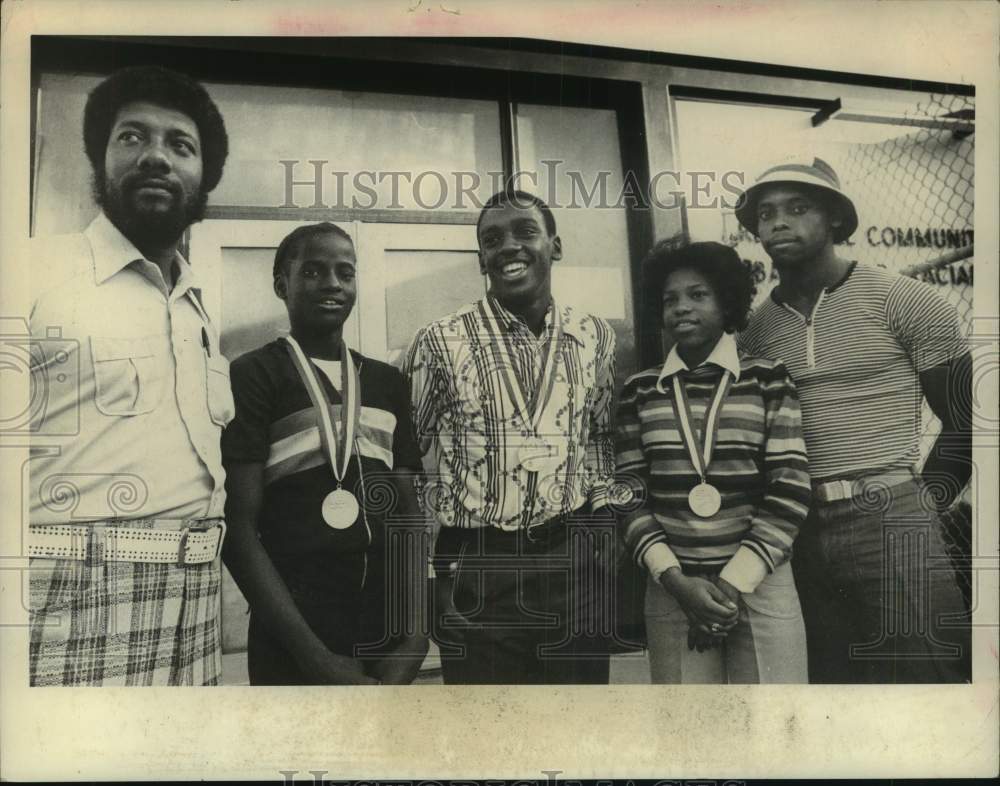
{"points": [[915, 193]]}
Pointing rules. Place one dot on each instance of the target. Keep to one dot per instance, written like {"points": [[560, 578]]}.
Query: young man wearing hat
{"points": [[864, 347]]}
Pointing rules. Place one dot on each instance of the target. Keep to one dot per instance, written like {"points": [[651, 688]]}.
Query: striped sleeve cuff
{"points": [[658, 559], [745, 570], [598, 495]]}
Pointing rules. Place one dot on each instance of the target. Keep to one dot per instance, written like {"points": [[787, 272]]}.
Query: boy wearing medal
{"points": [[514, 392], [318, 428], [711, 444]]}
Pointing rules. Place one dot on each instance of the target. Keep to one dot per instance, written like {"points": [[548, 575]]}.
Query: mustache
{"points": [[138, 180]]}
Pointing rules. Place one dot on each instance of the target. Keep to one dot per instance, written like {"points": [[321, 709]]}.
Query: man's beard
{"points": [[148, 228]]}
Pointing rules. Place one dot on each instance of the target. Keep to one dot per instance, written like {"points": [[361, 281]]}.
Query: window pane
{"points": [[901, 176], [252, 315], [422, 286], [582, 180], [399, 152], [368, 136], [63, 201]]}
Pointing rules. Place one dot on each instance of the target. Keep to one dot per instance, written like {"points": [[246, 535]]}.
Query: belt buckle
{"points": [[533, 538], [182, 546], [221, 524], [846, 488], [835, 491], [181, 549]]}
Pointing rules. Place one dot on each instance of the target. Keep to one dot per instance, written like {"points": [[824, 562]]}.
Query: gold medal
{"points": [[705, 500], [340, 509]]}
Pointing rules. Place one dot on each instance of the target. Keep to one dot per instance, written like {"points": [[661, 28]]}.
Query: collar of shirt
{"points": [[571, 324], [724, 355], [843, 280], [113, 252]]}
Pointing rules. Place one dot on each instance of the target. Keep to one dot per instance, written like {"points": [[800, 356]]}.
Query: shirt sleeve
{"points": [[787, 493], [423, 369], [247, 437], [925, 324], [405, 452], [642, 534], [599, 460], [745, 343]]}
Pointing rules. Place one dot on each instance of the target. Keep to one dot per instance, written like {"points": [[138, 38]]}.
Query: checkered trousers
{"points": [[123, 623]]}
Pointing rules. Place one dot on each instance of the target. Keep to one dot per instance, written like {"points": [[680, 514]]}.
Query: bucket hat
{"points": [[818, 176]]}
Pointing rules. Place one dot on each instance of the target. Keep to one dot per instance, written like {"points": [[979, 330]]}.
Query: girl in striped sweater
{"points": [[711, 444]]}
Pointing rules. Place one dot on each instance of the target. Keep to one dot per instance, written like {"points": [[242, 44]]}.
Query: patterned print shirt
{"points": [[464, 411]]}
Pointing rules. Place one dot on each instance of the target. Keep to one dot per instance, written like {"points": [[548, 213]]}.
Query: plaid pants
{"points": [[95, 623]]}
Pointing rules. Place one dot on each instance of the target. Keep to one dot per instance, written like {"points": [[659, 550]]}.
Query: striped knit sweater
{"points": [[759, 465]]}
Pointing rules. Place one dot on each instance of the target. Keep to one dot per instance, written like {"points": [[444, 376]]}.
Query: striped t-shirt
{"points": [[275, 425], [759, 466], [856, 363]]}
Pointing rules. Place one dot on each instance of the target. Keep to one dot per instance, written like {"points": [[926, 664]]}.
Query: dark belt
{"points": [[451, 541]]}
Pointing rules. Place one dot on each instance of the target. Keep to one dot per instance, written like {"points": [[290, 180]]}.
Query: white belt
{"points": [[194, 544], [836, 490]]}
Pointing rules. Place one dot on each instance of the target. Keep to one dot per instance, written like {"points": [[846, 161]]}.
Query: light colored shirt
{"points": [[856, 361], [330, 369], [132, 389], [462, 408]]}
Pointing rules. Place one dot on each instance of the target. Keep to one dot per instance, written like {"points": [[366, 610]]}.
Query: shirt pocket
{"points": [[128, 375], [221, 407]]}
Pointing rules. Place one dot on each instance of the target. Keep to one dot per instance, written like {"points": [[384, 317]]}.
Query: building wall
{"points": [[350, 131]]}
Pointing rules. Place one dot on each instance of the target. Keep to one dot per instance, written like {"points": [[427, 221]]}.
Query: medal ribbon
{"points": [[700, 459], [530, 406], [337, 452]]}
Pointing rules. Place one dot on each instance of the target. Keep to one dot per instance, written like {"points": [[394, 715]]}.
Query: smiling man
{"points": [[865, 347], [318, 432], [127, 484], [514, 392]]}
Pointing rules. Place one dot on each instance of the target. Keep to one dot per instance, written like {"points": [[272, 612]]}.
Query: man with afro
{"points": [[127, 485]]}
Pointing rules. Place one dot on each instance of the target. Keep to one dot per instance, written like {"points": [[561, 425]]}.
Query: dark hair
{"points": [[165, 88], [731, 278], [294, 240], [522, 200]]}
